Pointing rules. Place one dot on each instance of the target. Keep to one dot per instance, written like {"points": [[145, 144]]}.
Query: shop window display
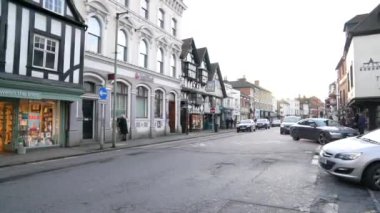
{"points": [[36, 120], [6, 125]]}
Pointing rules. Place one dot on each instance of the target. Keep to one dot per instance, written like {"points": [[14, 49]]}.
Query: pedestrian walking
{"points": [[123, 127], [362, 123]]}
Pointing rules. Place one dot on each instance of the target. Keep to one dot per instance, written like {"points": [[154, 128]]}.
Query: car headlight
{"points": [[348, 156], [281, 125]]}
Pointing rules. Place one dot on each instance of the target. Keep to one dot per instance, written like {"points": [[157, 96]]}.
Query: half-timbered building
{"points": [[202, 89], [41, 71]]}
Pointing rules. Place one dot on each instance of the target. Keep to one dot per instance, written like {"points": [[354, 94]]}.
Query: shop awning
{"points": [[38, 91]]}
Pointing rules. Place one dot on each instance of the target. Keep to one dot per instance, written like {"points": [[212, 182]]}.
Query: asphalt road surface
{"points": [[261, 171]]}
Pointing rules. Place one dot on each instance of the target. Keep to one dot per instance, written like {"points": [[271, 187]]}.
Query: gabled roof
{"points": [[74, 10], [354, 21], [187, 46], [364, 24], [215, 69], [369, 24], [203, 55]]}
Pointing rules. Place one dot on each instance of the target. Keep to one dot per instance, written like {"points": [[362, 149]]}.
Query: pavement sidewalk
{"points": [[43, 154]]}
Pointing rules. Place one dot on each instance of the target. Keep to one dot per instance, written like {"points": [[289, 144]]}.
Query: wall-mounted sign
{"points": [[143, 77], [371, 65], [103, 93]]}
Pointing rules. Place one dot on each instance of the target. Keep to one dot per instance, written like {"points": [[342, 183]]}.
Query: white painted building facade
{"points": [[148, 67]]}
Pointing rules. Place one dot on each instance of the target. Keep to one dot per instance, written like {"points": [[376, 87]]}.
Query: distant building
{"points": [[260, 99]]}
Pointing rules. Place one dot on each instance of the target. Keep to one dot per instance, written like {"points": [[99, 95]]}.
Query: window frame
{"points": [[45, 52], [161, 18], [143, 55], [173, 66], [160, 61], [145, 9], [56, 6], [158, 104], [142, 95], [124, 47], [98, 37], [174, 26]]}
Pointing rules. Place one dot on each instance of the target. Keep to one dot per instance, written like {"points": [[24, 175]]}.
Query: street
{"points": [[260, 171]]}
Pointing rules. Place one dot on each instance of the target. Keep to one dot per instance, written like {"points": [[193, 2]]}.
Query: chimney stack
{"points": [[257, 83]]}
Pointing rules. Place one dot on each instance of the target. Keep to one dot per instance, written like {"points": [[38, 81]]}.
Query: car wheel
{"points": [[322, 139], [294, 136], [250, 129], [254, 129], [281, 132], [237, 131], [372, 177]]}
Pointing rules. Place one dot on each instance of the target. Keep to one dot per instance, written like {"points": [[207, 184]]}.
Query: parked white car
{"points": [[354, 158], [246, 125]]}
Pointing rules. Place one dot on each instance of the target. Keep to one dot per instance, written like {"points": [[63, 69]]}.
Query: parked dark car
{"points": [[322, 130], [246, 125], [262, 123], [287, 122]]}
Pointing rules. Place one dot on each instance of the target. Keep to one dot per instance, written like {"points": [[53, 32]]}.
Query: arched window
{"points": [[93, 36], [160, 61], [142, 102], [159, 104], [161, 18], [143, 57], [174, 27], [173, 66], [89, 87], [122, 46], [145, 8], [121, 99]]}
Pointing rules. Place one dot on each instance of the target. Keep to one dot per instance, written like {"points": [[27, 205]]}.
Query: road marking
{"points": [[314, 161]]}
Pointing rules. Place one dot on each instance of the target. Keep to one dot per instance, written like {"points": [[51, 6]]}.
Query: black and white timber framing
{"points": [[21, 21]]}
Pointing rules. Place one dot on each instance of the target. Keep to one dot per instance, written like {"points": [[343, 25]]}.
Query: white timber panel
{"points": [[53, 77], [56, 27], [11, 38], [76, 76], [68, 11], [40, 22], [24, 41], [67, 50], [77, 46], [37, 74]]}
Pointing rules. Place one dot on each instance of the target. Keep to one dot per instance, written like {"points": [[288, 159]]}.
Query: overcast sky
{"points": [[292, 47]]}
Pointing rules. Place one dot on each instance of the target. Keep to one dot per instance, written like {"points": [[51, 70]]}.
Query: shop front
{"points": [[32, 118]]}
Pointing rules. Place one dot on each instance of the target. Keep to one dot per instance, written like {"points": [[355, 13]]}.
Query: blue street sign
{"points": [[103, 93]]}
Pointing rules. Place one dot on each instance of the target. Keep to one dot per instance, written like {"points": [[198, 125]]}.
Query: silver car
{"points": [[354, 158]]}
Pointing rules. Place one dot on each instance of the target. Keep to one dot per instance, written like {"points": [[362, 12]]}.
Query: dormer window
{"points": [[54, 5]]}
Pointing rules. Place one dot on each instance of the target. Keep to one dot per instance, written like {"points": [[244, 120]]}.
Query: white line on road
{"points": [[314, 161]]}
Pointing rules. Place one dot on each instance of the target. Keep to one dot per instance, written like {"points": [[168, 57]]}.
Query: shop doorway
{"points": [[6, 125], [172, 112], [88, 118]]}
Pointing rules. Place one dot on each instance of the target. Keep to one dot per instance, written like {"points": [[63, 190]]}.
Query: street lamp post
{"points": [[114, 81]]}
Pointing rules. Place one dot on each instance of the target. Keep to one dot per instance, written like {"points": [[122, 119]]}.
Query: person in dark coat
{"points": [[362, 123], [123, 127]]}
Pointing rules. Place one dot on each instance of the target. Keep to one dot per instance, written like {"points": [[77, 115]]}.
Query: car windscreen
{"points": [[291, 119], [262, 120], [245, 121], [327, 123]]}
